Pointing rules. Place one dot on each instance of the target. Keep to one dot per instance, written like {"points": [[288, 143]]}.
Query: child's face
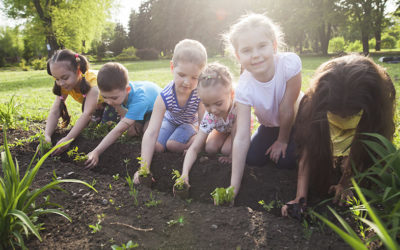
{"points": [[186, 76], [255, 52], [217, 99], [115, 97], [65, 78]]}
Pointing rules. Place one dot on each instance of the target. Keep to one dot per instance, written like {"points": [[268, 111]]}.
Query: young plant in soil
{"points": [[44, 146], [97, 227], [152, 202], [128, 245], [145, 177], [223, 196], [77, 157], [18, 212], [180, 221], [180, 188]]}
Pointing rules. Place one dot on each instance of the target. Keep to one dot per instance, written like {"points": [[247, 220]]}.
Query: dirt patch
{"points": [[160, 221]]}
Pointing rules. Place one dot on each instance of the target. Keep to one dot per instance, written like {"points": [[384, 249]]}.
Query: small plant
{"points": [[223, 196], [116, 177], [135, 194], [180, 221], [110, 187], [272, 204], [76, 156], [128, 245], [152, 202], [143, 170], [18, 212], [97, 227], [179, 181], [44, 146], [93, 182]]}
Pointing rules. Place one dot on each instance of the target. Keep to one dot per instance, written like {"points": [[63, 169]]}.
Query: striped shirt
{"points": [[176, 114]]}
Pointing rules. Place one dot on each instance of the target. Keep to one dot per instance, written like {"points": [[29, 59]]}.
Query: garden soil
{"points": [[172, 223]]}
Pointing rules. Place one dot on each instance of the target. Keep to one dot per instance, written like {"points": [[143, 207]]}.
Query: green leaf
{"points": [[26, 221]]}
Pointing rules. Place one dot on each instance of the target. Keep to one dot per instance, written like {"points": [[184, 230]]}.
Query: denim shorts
{"points": [[179, 133]]}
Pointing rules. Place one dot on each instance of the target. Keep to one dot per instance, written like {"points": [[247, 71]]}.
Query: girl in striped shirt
{"points": [[178, 107]]}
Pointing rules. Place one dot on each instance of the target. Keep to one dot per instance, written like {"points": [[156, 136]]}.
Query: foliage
{"points": [[76, 156], [128, 54], [272, 204], [180, 221], [128, 245], [152, 202], [11, 45], [179, 181], [336, 44], [39, 64], [18, 210], [8, 113], [147, 54], [98, 131], [355, 46], [116, 177], [143, 169], [97, 227], [44, 146], [23, 65], [223, 196], [119, 41], [388, 42]]}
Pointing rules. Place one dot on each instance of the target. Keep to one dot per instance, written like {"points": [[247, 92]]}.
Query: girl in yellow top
{"points": [[348, 96], [72, 77]]}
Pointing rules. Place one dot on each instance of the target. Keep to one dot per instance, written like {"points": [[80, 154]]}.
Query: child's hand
{"points": [[61, 149], [136, 178], [341, 194], [93, 159], [295, 208], [276, 150]]}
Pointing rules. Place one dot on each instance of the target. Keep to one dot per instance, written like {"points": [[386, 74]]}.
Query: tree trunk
{"points": [[364, 38], [324, 37], [378, 39]]}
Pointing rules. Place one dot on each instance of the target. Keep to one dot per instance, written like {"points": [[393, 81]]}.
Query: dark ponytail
{"points": [[76, 62]]}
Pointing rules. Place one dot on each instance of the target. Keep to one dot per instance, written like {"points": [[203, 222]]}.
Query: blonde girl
{"points": [[270, 83], [216, 93], [72, 77]]}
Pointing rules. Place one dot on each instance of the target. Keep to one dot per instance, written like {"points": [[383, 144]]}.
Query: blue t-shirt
{"points": [[141, 99]]}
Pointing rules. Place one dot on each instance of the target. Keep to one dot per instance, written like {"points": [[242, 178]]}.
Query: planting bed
{"points": [[172, 223]]}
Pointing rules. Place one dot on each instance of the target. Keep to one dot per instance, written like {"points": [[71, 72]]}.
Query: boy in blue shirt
{"points": [[133, 101]]}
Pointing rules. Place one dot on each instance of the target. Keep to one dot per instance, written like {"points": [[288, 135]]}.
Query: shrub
{"points": [[127, 54], [147, 54], [19, 212], [355, 46], [23, 65], [388, 42], [372, 43], [39, 64], [336, 44]]}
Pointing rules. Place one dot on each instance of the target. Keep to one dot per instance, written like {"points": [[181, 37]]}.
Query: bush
{"points": [[39, 64], [372, 43], [355, 46], [147, 54], [388, 42], [127, 54], [336, 44], [398, 44], [23, 65]]}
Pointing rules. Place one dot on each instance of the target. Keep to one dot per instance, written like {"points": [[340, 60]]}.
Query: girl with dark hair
{"points": [[72, 77], [348, 96]]}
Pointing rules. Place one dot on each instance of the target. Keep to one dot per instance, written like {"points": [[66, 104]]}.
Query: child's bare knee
{"points": [[211, 149], [175, 146], [159, 148]]}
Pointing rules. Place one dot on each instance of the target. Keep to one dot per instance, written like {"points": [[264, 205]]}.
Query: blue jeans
{"points": [[180, 133], [261, 140]]}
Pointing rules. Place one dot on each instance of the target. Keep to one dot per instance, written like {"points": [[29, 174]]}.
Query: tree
{"points": [[72, 23], [378, 21], [119, 41]]}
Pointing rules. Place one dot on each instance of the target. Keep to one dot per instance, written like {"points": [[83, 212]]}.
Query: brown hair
{"points": [[190, 51], [76, 62], [215, 73], [343, 86], [112, 76]]}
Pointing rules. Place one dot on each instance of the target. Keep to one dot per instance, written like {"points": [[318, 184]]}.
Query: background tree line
{"points": [[154, 29]]}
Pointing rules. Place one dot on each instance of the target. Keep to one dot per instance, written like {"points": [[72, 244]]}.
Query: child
{"points": [[270, 83], [348, 96], [72, 77], [173, 123], [132, 100], [216, 93]]}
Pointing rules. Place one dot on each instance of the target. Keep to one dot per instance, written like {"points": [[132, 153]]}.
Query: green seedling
{"points": [[109, 186], [97, 227], [93, 182], [179, 181], [128, 245], [143, 170], [272, 204], [111, 201], [152, 202], [44, 146], [223, 196], [76, 156], [135, 194], [180, 221], [116, 177]]}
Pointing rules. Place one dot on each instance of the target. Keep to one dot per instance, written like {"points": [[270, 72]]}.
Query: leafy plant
{"points": [[180, 221], [110, 187], [44, 146], [97, 227], [128, 245], [76, 156], [116, 177], [179, 181], [97, 131], [152, 202], [143, 169], [8, 113], [223, 195], [272, 204], [18, 211], [93, 182]]}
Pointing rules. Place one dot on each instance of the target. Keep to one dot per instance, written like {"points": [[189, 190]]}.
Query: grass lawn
{"points": [[32, 89]]}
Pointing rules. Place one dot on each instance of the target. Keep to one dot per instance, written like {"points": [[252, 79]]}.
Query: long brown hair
{"points": [[77, 62], [343, 86]]}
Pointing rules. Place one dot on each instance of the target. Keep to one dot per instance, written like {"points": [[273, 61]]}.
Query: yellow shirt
{"points": [[91, 78], [342, 132]]}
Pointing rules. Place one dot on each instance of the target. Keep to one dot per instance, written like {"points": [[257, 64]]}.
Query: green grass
{"points": [[32, 89]]}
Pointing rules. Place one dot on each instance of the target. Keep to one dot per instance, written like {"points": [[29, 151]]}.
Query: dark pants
{"points": [[261, 140], [110, 114]]}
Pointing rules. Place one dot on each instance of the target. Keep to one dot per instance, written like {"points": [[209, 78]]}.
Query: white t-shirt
{"points": [[265, 97]]}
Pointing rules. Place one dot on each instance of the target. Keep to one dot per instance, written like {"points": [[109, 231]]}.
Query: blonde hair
{"points": [[214, 74], [248, 22], [190, 51]]}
